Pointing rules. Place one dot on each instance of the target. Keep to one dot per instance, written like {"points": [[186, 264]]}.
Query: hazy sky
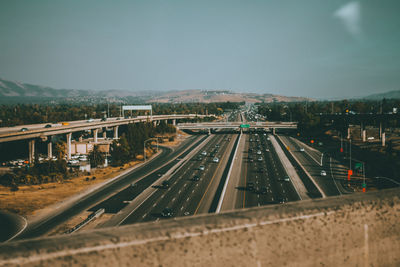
{"points": [[315, 48]]}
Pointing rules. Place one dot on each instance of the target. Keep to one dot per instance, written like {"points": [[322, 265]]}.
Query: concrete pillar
{"points": [[95, 132], [154, 123], [116, 132], [364, 135], [104, 134], [69, 137], [49, 149], [31, 151], [273, 131], [361, 129], [380, 130], [80, 138], [383, 138], [348, 133], [174, 122]]}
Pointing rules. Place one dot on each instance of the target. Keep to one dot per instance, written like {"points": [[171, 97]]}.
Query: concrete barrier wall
{"points": [[354, 230]]}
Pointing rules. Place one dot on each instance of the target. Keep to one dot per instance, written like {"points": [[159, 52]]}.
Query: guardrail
{"points": [[90, 218]]}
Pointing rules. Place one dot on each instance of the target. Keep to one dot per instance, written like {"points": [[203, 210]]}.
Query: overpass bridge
{"points": [[269, 125], [45, 131], [360, 229]]}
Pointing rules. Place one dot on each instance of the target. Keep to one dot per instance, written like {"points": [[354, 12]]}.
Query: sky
{"points": [[314, 48]]}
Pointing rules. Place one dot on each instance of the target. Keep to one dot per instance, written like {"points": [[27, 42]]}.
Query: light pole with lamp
{"points": [[144, 147]]}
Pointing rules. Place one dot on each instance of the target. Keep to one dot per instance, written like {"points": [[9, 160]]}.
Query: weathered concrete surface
{"points": [[354, 230]]}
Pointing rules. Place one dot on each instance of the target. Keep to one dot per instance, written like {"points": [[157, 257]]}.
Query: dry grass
{"points": [[30, 200]]}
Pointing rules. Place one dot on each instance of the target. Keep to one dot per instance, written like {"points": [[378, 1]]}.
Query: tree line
{"points": [[20, 114], [123, 150]]}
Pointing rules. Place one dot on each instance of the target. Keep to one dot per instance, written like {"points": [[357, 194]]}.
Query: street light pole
{"points": [[350, 155]]}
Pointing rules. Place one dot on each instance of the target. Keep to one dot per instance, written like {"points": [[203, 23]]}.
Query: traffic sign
{"points": [[244, 125]]}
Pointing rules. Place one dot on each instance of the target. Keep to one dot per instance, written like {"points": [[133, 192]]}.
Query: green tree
{"points": [[96, 157]]}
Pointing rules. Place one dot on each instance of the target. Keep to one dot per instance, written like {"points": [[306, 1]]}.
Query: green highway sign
{"points": [[244, 125]]}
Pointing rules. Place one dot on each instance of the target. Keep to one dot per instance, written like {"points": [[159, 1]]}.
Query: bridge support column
{"points": [[104, 134], [31, 151], [383, 138], [116, 132], [380, 130], [348, 133], [49, 149], [364, 135], [69, 137], [95, 132], [80, 138], [273, 131], [361, 129], [174, 122]]}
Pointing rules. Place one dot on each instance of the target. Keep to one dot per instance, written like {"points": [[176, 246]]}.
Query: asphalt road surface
{"points": [[192, 189], [61, 215], [311, 161]]}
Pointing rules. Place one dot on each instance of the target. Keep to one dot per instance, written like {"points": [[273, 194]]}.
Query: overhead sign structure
{"points": [[244, 125], [138, 107]]}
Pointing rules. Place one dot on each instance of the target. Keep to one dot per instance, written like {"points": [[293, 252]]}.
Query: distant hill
{"points": [[16, 92], [388, 95], [207, 96]]}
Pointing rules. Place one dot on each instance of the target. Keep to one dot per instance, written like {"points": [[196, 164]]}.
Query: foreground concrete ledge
{"points": [[355, 230]]}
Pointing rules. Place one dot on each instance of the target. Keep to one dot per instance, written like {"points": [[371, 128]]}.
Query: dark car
{"points": [[281, 200], [250, 186], [165, 184], [167, 213], [47, 126], [263, 190], [103, 119], [196, 178], [23, 130]]}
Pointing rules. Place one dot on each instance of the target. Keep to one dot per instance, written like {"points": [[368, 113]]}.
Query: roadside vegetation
{"points": [[20, 114]]}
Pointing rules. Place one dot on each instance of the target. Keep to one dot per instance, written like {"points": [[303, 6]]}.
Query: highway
{"points": [[310, 159], [43, 225], [188, 195]]}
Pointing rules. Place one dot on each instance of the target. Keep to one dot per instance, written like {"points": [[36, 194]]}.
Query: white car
{"points": [[216, 159], [302, 149], [201, 167], [323, 173], [204, 153], [259, 152]]}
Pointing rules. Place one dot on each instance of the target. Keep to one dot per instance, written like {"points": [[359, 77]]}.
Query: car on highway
{"points": [[103, 119], [250, 186], [258, 152], [216, 159], [204, 153], [23, 129], [90, 120], [260, 159], [302, 149], [323, 173], [266, 150], [47, 126], [167, 213], [165, 184], [281, 200], [65, 123], [263, 190], [196, 178], [202, 168], [133, 185]]}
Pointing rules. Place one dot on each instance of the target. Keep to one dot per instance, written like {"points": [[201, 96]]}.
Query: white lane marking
{"points": [[187, 199], [366, 247], [173, 199], [182, 208]]}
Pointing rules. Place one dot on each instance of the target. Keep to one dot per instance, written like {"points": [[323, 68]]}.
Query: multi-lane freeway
{"points": [[208, 173]]}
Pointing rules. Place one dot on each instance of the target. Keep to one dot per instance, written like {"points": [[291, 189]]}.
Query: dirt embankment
{"points": [[32, 199]]}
